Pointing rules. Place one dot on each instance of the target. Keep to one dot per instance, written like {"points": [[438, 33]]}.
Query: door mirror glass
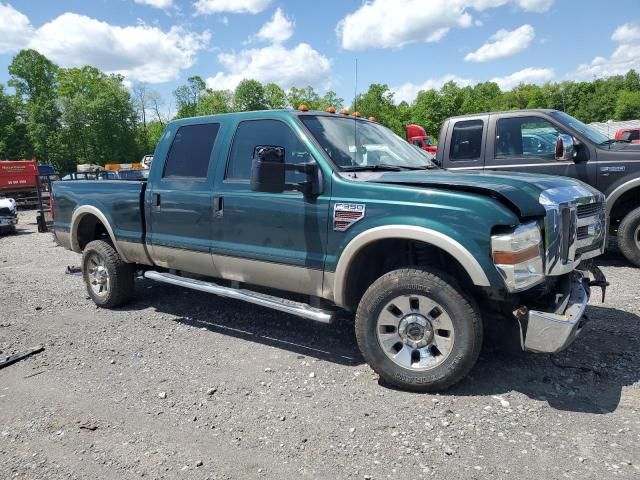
{"points": [[565, 148], [268, 169]]}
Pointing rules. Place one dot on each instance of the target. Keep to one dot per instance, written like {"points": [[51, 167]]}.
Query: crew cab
{"points": [[552, 142], [321, 215]]}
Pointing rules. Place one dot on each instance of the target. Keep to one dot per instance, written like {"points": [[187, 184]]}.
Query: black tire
{"points": [[120, 285], [461, 310], [628, 240]]}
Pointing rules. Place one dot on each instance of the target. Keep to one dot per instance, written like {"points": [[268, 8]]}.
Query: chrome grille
{"points": [[583, 232], [590, 209]]}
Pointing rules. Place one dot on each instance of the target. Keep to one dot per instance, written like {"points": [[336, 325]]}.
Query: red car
{"points": [[631, 135]]}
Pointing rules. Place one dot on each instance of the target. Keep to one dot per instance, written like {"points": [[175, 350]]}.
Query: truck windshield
{"points": [[591, 133], [358, 144]]}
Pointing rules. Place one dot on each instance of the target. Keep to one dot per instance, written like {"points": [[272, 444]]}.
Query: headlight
{"points": [[518, 256]]}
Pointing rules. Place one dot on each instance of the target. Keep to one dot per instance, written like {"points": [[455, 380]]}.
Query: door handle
{"points": [[155, 201], [218, 206]]}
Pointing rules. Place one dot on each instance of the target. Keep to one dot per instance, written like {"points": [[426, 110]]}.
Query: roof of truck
{"points": [[257, 114], [526, 110]]}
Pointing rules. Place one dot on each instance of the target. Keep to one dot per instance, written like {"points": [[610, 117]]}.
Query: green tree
{"points": [[99, 118], [274, 96], [249, 95], [33, 77], [14, 141], [187, 96], [214, 101], [330, 99], [377, 101], [303, 96], [628, 106]]}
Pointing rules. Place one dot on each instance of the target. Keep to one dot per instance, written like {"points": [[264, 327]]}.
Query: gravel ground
{"points": [[180, 384]]}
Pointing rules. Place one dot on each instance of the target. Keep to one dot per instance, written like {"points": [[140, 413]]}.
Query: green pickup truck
{"points": [[317, 215]]}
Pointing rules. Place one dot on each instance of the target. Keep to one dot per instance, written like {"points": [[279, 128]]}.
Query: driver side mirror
{"points": [[268, 169], [565, 148]]}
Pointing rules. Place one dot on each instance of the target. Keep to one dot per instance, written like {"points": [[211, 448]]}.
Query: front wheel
{"points": [[629, 236], [417, 330], [109, 280]]}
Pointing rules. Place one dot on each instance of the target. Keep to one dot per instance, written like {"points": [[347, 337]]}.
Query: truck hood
{"points": [[518, 191]]}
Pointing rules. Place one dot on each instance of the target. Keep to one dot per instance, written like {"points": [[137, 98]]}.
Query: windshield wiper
{"points": [[386, 167]]}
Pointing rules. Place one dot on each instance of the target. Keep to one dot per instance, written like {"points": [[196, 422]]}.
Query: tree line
{"points": [[68, 116]]}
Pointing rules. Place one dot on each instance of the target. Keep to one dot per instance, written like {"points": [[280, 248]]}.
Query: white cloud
{"points": [[503, 43], [161, 4], [139, 52], [537, 76], [627, 33], [205, 7], [15, 29], [625, 57], [276, 30], [407, 92], [301, 65], [389, 24], [535, 5]]}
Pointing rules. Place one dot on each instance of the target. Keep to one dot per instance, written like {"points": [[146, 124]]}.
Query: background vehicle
{"points": [[520, 141], [416, 135], [19, 180], [631, 135], [8, 215], [285, 200]]}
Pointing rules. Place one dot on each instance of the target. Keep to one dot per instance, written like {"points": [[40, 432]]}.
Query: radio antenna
{"points": [[355, 109]]}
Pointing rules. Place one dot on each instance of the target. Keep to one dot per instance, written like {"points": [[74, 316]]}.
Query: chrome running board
{"points": [[281, 304]]}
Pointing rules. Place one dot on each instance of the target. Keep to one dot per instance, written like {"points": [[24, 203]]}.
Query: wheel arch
{"points": [[619, 195], [358, 245], [85, 221]]}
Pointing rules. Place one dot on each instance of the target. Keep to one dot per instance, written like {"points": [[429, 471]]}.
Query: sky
{"points": [[407, 44]]}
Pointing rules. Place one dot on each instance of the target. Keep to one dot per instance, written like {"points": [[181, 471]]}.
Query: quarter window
{"points": [[252, 133], [190, 151], [526, 137], [466, 140]]}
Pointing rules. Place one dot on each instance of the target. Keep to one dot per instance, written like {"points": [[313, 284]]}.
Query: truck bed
{"points": [[121, 202]]}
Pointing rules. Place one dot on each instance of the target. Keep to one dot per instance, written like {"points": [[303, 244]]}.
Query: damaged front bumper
{"points": [[554, 329]]}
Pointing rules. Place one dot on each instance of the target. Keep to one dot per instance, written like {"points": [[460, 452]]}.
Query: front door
{"points": [[527, 143], [180, 203], [260, 236]]}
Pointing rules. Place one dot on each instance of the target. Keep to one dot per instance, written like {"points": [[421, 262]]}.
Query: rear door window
{"points": [[190, 151], [466, 141]]}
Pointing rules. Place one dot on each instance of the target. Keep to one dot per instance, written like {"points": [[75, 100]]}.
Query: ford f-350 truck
{"points": [[335, 214]]}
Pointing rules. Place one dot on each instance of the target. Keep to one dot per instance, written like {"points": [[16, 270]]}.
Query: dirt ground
{"points": [[181, 384]]}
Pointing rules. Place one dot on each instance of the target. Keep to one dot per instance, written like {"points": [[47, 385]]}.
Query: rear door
{"points": [[180, 203], [465, 144]]}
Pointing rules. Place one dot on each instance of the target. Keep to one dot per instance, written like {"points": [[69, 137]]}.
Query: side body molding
{"points": [[409, 232], [617, 192], [78, 214]]}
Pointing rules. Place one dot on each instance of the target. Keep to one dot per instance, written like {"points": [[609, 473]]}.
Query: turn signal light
{"points": [[512, 258]]}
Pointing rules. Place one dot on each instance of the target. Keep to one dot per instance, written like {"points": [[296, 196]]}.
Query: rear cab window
{"points": [[190, 152], [464, 147]]}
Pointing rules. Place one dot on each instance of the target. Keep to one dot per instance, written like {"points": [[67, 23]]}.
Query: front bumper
{"points": [[8, 221], [553, 330]]}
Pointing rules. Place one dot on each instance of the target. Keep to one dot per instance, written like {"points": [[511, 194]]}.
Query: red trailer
{"points": [[19, 180]]}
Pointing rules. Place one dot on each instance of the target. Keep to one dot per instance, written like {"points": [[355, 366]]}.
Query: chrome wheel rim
{"points": [[97, 275], [415, 332]]}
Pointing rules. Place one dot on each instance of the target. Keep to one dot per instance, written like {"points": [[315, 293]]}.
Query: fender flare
{"points": [[620, 190], [408, 232], [81, 212]]}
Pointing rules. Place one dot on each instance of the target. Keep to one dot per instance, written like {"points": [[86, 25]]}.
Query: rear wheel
{"points": [[629, 236], [109, 280], [417, 330]]}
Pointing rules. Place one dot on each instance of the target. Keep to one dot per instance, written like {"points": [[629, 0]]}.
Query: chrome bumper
{"points": [[554, 330]]}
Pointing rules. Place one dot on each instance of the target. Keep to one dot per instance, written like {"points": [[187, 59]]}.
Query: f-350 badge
{"points": [[346, 214]]}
